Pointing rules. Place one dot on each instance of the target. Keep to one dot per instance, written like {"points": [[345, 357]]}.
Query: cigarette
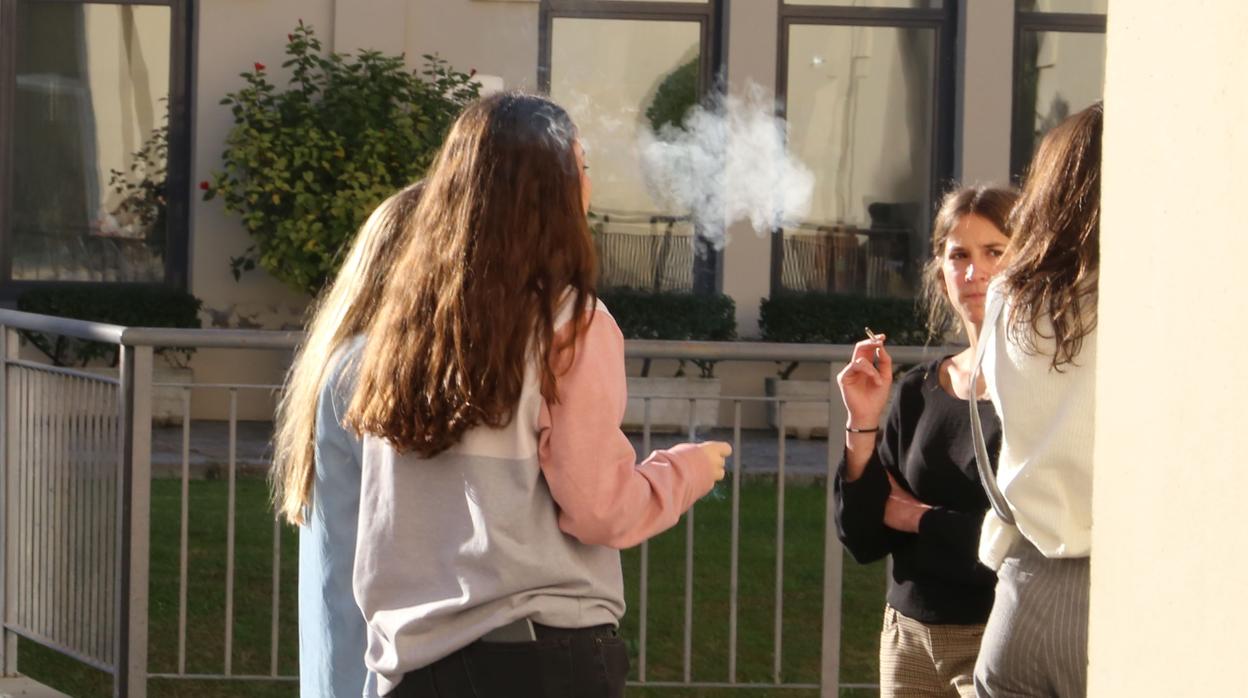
{"points": [[871, 335]]}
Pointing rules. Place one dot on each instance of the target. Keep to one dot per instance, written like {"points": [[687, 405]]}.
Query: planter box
{"points": [[669, 408], [808, 418], [166, 401]]}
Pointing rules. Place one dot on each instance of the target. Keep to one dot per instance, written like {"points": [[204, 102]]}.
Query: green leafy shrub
{"points": [[128, 306], [305, 166], [824, 318], [674, 97], [673, 315]]}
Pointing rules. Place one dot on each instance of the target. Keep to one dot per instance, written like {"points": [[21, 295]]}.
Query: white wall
{"points": [[1168, 568], [232, 35]]}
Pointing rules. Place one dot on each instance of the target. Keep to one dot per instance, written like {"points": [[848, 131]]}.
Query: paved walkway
{"points": [[26, 688], [208, 455]]}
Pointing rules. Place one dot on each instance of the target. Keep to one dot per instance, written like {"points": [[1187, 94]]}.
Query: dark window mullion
{"points": [[857, 15], [8, 92], [178, 164], [1060, 22]]}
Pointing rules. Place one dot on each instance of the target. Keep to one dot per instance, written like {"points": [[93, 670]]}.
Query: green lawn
{"points": [[862, 601]]}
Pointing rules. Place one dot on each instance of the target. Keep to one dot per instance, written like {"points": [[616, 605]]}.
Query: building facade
{"points": [[886, 102]]}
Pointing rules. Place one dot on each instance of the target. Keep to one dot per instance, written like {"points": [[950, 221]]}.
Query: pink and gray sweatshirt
{"points": [[525, 521]]}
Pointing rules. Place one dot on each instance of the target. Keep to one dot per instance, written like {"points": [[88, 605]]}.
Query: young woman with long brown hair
{"points": [[914, 492], [497, 485], [1039, 363], [316, 464]]}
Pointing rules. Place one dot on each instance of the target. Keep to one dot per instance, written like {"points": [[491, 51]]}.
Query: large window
{"points": [[93, 142], [620, 70], [868, 95], [1059, 68]]}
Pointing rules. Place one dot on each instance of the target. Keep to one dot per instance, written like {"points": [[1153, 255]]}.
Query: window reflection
{"points": [[617, 77], [1060, 73], [860, 109], [89, 159]]}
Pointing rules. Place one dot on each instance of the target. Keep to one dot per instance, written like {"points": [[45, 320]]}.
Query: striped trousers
{"points": [[1036, 641], [922, 660]]}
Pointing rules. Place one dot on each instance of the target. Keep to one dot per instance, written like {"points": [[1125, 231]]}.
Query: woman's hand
{"points": [[864, 386], [902, 511], [716, 453]]}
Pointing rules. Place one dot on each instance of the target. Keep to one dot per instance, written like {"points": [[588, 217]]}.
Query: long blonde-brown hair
{"points": [[344, 310], [991, 204], [500, 241], [1054, 254]]}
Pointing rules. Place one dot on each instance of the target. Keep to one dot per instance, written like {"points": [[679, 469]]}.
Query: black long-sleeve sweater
{"points": [[926, 444]]}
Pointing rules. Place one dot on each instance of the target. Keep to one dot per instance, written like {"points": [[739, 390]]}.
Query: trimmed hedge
{"points": [[673, 315], [824, 318], [129, 306]]}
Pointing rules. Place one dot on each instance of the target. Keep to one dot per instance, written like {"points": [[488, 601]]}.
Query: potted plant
{"points": [[128, 306], [304, 166], [675, 316], [826, 319]]}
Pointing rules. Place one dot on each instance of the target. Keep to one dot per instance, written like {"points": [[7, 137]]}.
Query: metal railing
{"points": [[77, 502]]}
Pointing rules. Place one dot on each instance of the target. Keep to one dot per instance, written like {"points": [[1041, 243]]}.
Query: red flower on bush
{"points": [[259, 67], [290, 37], [472, 72], [205, 185]]}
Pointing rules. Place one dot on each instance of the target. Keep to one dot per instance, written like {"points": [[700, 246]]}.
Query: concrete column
{"points": [[753, 28], [985, 76], [1168, 565]]}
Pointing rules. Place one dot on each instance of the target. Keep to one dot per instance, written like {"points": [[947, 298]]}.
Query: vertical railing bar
{"points": [[113, 434], [99, 404], [644, 592], [229, 535], [134, 523], [9, 499], [84, 475], [74, 609], [830, 660], [24, 494], [735, 545], [277, 590], [41, 506], [76, 572], [780, 476], [689, 520], [95, 556], [184, 528], [63, 497]]}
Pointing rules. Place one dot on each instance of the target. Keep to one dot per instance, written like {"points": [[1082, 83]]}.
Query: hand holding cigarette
{"points": [[865, 383]]}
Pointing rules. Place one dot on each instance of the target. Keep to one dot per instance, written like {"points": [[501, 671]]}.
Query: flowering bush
{"points": [[305, 166]]}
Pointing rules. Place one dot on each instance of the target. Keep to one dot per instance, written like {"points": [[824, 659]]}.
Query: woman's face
{"points": [[587, 186], [973, 251]]}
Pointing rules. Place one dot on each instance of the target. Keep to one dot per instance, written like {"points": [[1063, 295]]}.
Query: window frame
{"points": [[1038, 21], [178, 167], [944, 20], [712, 18]]}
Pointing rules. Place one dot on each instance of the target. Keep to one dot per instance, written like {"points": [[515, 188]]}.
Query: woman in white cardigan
{"points": [[1039, 360]]}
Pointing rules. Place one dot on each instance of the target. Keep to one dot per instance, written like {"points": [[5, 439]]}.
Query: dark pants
{"points": [[561, 663]]}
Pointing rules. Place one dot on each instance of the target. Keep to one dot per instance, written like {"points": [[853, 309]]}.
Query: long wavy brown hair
{"points": [[1054, 253], [345, 309], [990, 203], [500, 243]]}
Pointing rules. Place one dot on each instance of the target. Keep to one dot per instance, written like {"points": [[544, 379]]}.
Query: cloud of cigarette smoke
{"points": [[728, 162]]}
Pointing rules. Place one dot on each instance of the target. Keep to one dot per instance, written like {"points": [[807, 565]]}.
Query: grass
{"points": [[862, 601]]}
